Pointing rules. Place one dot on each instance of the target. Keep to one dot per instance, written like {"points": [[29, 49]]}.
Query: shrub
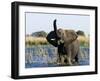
{"points": [[84, 41]]}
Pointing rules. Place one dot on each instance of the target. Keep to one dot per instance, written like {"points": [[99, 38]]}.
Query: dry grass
{"points": [[36, 40], [84, 41]]}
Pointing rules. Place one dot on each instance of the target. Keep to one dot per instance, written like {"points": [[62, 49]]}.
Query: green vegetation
{"points": [[79, 32], [39, 34]]}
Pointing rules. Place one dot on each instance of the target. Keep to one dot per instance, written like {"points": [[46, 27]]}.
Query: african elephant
{"points": [[68, 45]]}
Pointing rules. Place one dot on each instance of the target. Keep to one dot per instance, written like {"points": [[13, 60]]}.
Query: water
{"points": [[46, 56], [84, 58]]}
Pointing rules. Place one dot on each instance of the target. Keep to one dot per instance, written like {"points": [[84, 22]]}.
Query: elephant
{"points": [[67, 44], [70, 45]]}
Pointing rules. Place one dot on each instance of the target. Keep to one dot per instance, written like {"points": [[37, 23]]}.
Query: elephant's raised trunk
{"points": [[55, 31], [55, 26]]}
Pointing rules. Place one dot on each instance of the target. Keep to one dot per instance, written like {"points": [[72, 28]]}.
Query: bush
{"points": [[79, 32], [84, 41]]}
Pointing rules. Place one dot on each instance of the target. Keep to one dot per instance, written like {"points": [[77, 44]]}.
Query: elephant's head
{"points": [[66, 36], [60, 36]]}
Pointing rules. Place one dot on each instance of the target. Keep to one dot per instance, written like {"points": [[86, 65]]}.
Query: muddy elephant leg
{"points": [[69, 61], [76, 58], [58, 59], [63, 59]]}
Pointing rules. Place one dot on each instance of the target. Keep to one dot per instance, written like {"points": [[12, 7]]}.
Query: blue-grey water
{"points": [[46, 56]]}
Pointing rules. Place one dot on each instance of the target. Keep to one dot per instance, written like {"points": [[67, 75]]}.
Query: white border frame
{"points": [[53, 70]]}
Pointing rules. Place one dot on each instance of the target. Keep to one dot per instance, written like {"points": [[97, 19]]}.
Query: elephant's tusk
{"points": [[52, 39]]}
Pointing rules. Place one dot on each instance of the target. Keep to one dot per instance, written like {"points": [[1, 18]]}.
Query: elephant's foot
{"points": [[58, 62], [75, 62], [69, 62]]}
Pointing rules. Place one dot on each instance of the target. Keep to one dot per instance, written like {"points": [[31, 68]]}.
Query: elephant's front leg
{"points": [[58, 59], [69, 61], [68, 57], [63, 59]]}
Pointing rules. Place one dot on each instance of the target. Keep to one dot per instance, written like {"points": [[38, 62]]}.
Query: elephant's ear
{"points": [[71, 35]]}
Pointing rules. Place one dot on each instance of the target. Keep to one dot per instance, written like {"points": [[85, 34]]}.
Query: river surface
{"points": [[46, 56]]}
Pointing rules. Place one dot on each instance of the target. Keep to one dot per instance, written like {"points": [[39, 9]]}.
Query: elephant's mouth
{"points": [[60, 42]]}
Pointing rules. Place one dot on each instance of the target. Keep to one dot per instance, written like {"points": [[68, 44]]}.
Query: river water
{"points": [[46, 56]]}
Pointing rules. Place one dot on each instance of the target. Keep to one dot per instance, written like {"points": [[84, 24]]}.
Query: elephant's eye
{"points": [[59, 33]]}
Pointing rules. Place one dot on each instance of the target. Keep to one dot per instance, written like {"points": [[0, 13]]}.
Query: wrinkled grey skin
{"points": [[71, 46]]}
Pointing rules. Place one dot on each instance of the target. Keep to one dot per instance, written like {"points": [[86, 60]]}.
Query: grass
{"points": [[36, 41], [84, 41]]}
